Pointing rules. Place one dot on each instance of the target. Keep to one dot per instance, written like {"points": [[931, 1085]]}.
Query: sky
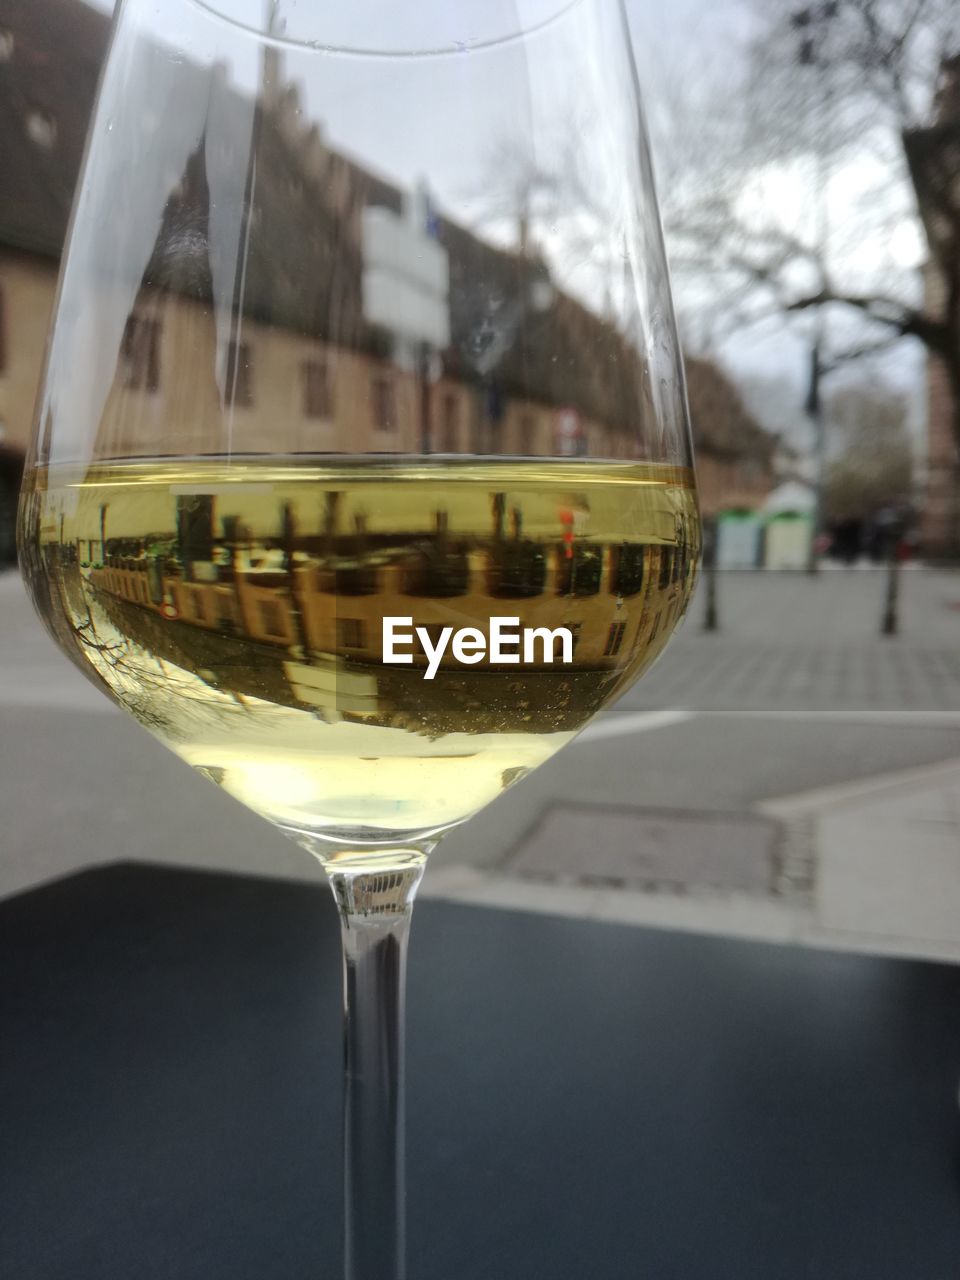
{"points": [[675, 45]]}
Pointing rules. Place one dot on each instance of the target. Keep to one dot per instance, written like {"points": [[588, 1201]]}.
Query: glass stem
{"points": [[375, 902]]}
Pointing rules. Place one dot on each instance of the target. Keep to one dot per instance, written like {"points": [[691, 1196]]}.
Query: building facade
{"points": [[314, 389]]}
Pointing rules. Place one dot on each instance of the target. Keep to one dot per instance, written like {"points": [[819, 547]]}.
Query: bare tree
{"points": [[826, 87], [560, 204]]}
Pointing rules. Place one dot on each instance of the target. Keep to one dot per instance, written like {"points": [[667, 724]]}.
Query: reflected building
{"points": [[526, 369], [296, 618], [529, 369]]}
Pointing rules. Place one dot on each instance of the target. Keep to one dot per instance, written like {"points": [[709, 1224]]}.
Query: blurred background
{"points": [[791, 769]]}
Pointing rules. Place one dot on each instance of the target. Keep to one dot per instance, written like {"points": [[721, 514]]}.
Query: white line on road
{"points": [[639, 722], [862, 715], [643, 721], [944, 775]]}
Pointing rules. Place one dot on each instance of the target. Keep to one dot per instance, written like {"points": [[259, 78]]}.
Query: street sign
{"points": [[406, 274], [396, 303]]}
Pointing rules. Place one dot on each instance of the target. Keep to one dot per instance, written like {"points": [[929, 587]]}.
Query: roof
{"points": [[722, 424], [51, 75], [309, 197]]}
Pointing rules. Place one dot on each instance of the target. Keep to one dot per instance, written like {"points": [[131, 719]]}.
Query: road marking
{"points": [[863, 715], [945, 774], [624, 726], [639, 722]]}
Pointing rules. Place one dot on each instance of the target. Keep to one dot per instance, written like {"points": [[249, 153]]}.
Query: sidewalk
{"points": [[871, 866], [795, 777], [787, 641]]}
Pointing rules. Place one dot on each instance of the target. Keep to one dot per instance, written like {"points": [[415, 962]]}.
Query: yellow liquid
{"points": [[235, 609]]}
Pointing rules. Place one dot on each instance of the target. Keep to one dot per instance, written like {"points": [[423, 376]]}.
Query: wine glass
{"points": [[362, 471]]}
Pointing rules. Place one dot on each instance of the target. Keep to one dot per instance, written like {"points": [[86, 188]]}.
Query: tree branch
{"points": [[906, 320], [861, 352]]}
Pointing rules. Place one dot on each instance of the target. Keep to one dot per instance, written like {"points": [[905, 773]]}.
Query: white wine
{"points": [[236, 609]]}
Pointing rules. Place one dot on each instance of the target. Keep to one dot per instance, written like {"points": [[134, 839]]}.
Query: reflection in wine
{"points": [[236, 609]]}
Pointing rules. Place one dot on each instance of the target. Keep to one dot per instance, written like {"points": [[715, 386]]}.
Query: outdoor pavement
{"points": [[795, 777]]}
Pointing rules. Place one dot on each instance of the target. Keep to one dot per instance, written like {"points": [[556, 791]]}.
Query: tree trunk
{"points": [[933, 160]]}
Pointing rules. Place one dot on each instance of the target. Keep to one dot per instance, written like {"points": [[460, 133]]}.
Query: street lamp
{"points": [[810, 23], [710, 533], [104, 507]]}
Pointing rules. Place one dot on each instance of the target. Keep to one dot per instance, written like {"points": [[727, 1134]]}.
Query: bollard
{"points": [[710, 619], [891, 620], [891, 610]]}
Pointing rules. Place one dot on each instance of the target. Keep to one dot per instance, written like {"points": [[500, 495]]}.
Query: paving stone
{"points": [[649, 849], [791, 642]]}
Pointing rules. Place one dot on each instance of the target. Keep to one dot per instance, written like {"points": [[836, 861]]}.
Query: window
{"points": [[383, 403], [526, 431], [450, 424], [197, 610], [579, 573], [239, 374], [350, 633], [629, 560], [271, 619], [140, 354], [614, 638], [317, 397], [518, 571], [439, 573]]}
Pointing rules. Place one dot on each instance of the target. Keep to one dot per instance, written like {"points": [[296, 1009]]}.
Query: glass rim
{"points": [[452, 49]]}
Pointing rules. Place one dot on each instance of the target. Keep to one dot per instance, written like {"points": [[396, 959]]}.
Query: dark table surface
{"points": [[585, 1100]]}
